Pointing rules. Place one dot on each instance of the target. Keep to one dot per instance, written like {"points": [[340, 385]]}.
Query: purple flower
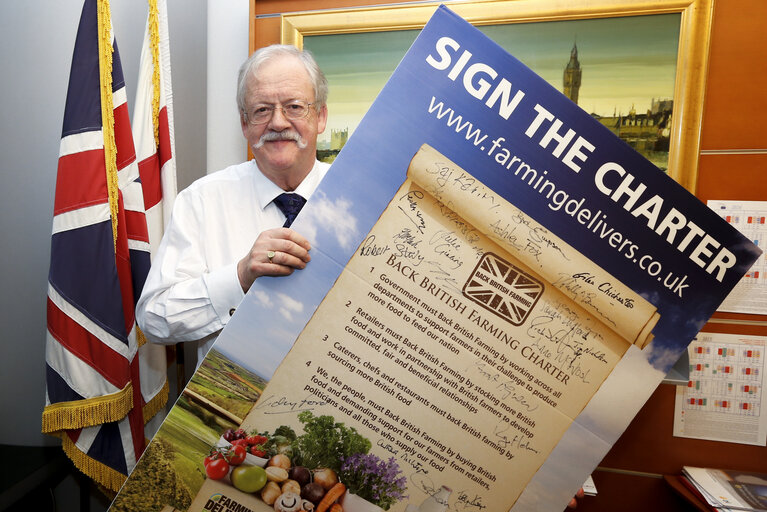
{"points": [[373, 479]]}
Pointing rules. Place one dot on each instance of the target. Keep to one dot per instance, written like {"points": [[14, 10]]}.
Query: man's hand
{"points": [[288, 251], [574, 501]]}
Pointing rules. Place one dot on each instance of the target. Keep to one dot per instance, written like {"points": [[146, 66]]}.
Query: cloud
{"points": [[331, 215], [663, 358], [261, 297], [287, 305], [288, 302]]}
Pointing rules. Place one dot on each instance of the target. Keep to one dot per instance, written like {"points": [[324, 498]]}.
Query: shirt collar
{"points": [[266, 190]]}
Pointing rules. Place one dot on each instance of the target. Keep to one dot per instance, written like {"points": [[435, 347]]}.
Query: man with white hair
{"points": [[231, 227]]}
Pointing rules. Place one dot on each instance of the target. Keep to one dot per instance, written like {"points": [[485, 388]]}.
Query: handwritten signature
{"points": [[468, 502], [387, 446], [506, 388], [282, 405], [516, 443], [457, 178], [417, 465], [411, 211], [447, 244], [370, 248], [574, 288], [439, 274]]}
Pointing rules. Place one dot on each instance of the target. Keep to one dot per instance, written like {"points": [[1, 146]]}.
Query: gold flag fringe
{"points": [[100, 473], [107, 109], [140, 337], [88, 412], [154, 38], [157, 403]]}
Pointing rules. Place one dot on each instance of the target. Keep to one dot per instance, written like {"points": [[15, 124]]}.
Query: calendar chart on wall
{"points": [[750, 218], [724, 399]]}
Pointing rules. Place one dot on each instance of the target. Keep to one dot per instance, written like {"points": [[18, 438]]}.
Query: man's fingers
{"points": [[293, 236], [276, 252], [290, 251], [289, 260]]}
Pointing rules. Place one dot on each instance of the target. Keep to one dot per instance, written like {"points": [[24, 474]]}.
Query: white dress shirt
{"points": [[192, 286]]}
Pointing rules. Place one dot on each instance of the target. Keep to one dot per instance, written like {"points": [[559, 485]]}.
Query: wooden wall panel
{"points": [[266, 31], [265, 15], [733, 176], [735, 95]]}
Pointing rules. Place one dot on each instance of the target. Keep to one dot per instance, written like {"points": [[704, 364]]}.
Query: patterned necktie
{"points": [[289, 204]]}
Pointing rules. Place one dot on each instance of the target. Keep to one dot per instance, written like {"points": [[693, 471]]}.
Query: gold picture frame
{"points": [[691, 63]]}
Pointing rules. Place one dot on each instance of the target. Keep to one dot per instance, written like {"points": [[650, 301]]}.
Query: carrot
{"points": [[333, 494], [336, 507]]}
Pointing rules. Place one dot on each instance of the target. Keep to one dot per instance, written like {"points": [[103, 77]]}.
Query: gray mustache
{"points": [[287, 134]]}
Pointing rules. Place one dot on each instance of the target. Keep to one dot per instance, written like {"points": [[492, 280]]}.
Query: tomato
{"points": [[236, 455], [215, 453], [217, 469]]}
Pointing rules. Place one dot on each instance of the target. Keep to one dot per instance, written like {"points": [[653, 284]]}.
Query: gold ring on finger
{"points": [[270, 255]]}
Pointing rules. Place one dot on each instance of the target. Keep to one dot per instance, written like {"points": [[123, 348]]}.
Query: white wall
{"points": [[227, 48], [36, 43]]}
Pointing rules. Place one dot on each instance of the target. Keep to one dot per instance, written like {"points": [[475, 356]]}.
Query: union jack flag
{"points": [[100, 256]]}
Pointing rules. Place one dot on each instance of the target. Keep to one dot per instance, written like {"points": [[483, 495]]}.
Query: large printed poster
{"points": [[497, 285]]}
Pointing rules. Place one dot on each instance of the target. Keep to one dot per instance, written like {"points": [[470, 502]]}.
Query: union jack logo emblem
{"points": [[503, 289]]}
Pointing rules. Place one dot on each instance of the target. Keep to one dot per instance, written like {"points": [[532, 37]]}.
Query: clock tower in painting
{"points": [[572, 76]]}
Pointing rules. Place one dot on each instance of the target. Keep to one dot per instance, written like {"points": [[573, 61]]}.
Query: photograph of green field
{"points": [[171, 470]]}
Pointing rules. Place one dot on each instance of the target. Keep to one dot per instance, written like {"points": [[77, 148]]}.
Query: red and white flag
{"points": [[155, 154], [153, 123]]}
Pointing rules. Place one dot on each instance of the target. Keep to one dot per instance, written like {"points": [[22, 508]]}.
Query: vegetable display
{"points": [[302, 473]]}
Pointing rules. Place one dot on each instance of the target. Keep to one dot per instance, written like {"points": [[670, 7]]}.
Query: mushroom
{"points": [[288, 502]]}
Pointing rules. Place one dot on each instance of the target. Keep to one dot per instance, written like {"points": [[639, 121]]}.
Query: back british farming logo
{"points": [[503, 289]]}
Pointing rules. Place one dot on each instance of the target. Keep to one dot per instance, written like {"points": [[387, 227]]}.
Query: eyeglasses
{"points": [[294, 110]]}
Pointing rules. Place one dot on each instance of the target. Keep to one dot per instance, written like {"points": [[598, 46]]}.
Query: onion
{"points": [[326, 477]]}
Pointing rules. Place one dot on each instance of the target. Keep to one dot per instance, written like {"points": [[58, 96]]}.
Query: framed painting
{"points": [[637, 66]]}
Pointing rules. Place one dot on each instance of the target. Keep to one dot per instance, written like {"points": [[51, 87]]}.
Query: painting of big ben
{"points": [[620, 70]]}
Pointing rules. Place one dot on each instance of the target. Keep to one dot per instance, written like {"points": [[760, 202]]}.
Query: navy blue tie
{"points": [[289, 204]]}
